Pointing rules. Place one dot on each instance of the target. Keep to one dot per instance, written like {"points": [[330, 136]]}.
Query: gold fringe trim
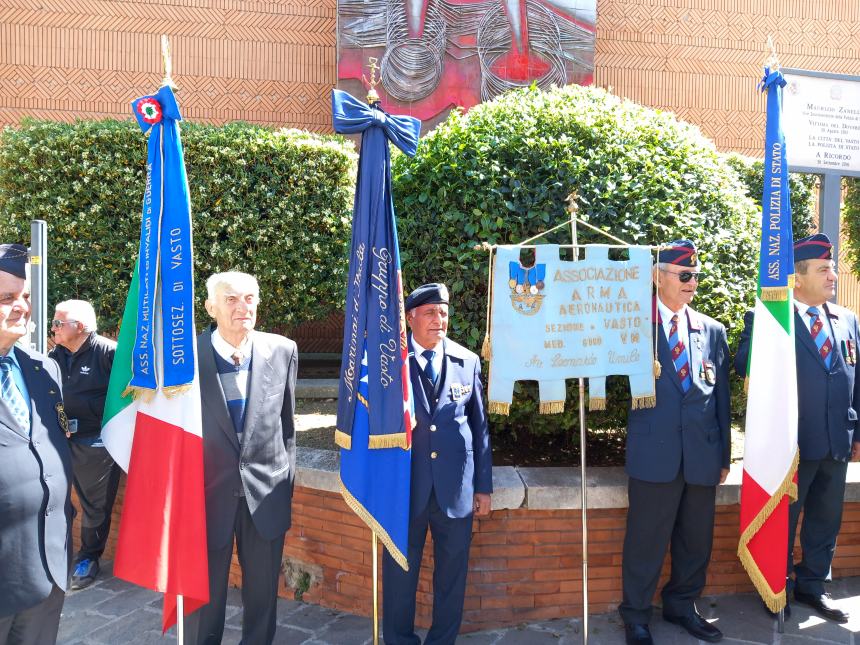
{"points": [[343, 440], [499, 407], [486, 352], [597, 403], [551, 407], [774, 602], [374, 526], [139, 393], [175, 390], [791, 281], [396, 440], [774, 294], [642, 402], [658, 369]]}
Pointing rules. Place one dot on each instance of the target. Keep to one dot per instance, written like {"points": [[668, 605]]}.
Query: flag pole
{"points": [[375, 592], [573, 209], [180, 619]]}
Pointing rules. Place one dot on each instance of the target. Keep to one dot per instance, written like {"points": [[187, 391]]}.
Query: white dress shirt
{"points": [[225, 350], [666, 320], [422, 362], [803, 310]]}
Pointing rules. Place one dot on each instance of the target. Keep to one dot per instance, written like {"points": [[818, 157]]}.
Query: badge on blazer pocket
{"points": [[62, 418], [708, 372], [460, 391]]}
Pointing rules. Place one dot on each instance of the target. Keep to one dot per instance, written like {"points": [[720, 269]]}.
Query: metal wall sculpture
{"points": [[438, 54]]}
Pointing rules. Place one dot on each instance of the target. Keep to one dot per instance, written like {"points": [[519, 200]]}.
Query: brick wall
{"points": [[525, 564]]}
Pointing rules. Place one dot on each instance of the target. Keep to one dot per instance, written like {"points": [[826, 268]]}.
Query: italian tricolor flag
{"points": [[162, 531], [770, 452]]}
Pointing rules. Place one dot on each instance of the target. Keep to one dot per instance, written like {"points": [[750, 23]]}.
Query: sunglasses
{"points": [[686, 276], [56, 324]]}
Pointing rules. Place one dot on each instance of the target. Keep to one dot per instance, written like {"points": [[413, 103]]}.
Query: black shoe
{"points": [[85, 574], [697, 627], [773, 614], [637, 634], [823, 605]]}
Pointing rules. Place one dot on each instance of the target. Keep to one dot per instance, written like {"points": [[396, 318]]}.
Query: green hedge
{"points": [[851, 222], [273, 203], [502, 173], [801, 191]]}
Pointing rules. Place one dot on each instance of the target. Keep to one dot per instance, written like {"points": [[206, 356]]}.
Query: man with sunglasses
{"points": [[828, 390], [677, 454], [85, 361]]}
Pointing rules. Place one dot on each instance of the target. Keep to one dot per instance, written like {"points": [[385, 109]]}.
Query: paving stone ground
{"points": [[113, 611]]}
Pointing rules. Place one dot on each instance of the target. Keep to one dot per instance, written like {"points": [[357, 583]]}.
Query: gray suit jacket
{"points": [[35, 510], [263, 469]]}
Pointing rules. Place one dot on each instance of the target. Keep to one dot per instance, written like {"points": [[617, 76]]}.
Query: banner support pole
{"points": [[180, 619], [375, 593]]}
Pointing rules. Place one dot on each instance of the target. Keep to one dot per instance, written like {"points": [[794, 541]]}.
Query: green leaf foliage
{"points": [[502, 172], [274, 203], [801, 186], [851, 221]]}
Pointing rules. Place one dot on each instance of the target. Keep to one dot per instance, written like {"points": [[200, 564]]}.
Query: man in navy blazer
{"points": [[35, 472], [828, 388], [677, 454], [452, 472]]}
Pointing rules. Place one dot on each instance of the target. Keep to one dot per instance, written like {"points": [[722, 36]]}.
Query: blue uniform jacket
{"points": [[35, 474], [456, 430], [689, 431], [826, 398]]}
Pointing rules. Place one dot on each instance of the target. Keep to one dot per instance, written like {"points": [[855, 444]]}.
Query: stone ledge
{"points": [[316, 388], [541, 488]]}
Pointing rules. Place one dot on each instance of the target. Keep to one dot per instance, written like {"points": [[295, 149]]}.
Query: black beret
{"points": [[813, 247], [13, 259], [679, 252], [427, 294]]}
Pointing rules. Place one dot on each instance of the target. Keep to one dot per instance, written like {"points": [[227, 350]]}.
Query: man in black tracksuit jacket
{"points": [[85, 361]]}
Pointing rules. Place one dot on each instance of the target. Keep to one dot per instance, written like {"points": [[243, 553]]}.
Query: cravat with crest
{"points": [[12, 395], [679, 355], [822, 340], [429, 370]]}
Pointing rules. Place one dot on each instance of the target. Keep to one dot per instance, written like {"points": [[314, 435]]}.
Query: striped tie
{"points": [[679, 355], [822, 341], [12, 395]]}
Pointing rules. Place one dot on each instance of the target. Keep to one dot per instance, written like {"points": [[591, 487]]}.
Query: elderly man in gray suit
{"points": [[35, 472], [247, 387]]}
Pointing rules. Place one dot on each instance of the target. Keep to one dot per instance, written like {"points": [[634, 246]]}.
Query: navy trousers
{"points": [[451, 540], [820, 493]]}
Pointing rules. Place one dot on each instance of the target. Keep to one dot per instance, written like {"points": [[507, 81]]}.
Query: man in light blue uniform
{"points": [[828, 389], [35, 472], [452, 472], [677, 453]]}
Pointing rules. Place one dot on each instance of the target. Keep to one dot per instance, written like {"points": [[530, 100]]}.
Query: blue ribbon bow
{"points": [[352, 116]]}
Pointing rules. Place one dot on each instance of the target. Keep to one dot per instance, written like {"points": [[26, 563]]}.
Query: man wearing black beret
{"points": [[452, 472], [828, 390], [35, 471]]}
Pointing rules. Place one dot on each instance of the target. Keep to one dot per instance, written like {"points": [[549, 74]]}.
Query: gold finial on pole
{"points": [[166, 62], [372, 94], [772, 61]]}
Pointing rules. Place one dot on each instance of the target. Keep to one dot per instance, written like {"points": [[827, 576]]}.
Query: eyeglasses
{"points": [[56, 324], [686, 276]]}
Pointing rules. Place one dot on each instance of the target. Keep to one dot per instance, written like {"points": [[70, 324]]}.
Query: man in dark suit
{"points": [[677, 453], [35, 472], [452, 472], [826, 337], [247, 385]]}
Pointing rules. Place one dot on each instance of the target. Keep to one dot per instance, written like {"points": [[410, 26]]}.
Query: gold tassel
{"points": [[746, 385], [175, 390], [499, 407], [486, 353], [773, 294], [597, 403], [642, 402], [657, 368], [774, 601], [396, 440], [343, 440], [139, 393], [791, 281], [551, 407], [375, 527]]}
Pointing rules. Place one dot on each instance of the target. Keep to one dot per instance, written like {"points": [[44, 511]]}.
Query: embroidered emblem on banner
{"points": [[527, 285]]}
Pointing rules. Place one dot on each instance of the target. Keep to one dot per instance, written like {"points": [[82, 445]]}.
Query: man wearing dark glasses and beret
{"points": [[677, 454], [828, 390]]}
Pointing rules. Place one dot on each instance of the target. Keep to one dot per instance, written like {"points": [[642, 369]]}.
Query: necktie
{"points": [[429, 370], [237, 358], [679, 355], [12, 395], [822, 341]]}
